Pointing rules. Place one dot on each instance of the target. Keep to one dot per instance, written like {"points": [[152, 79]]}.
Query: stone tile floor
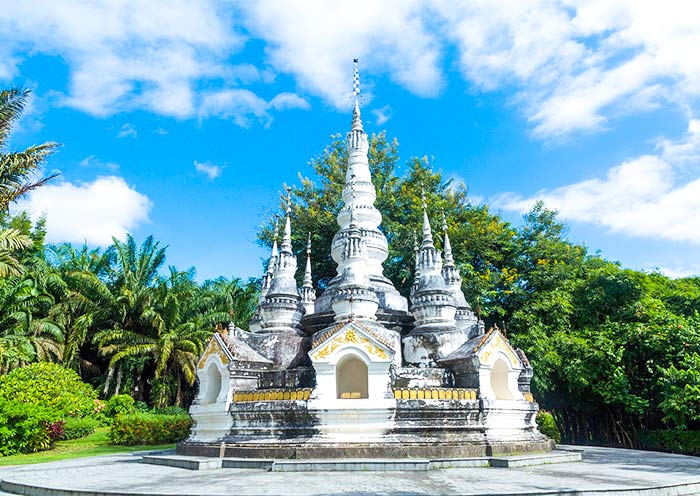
{"points": [[602, 470]]}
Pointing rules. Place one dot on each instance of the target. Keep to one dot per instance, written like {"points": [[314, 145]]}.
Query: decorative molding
{"points": [[213, 348], [434, 394], [350, 337], [499, 343], [272, 395]]}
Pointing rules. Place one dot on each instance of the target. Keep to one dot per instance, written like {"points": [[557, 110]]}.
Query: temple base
{"points": [[386, 450]]}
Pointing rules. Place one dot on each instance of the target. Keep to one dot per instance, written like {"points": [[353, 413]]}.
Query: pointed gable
{"points": [[483, 347], [216, 347], [231, 349], [350, 334]]}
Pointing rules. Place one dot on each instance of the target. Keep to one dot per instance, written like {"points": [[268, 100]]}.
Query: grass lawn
{"points": [[94, 444]]}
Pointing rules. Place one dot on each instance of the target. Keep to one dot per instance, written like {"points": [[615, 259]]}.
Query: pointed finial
{"points": [[427, 231], [274, 252], [446, 246], [289, 199], [308, 279], [286, 245], [356, 80], [356, 119]]}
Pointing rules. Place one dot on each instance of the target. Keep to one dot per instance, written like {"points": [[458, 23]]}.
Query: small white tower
{"points": [[432, 303], [307, 291], [464, 317], [281, 309]]}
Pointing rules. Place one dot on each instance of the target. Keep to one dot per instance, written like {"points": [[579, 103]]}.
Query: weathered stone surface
{"points": [[603, 471], [355, 366]]}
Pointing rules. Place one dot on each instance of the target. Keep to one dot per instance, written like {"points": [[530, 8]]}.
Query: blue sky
{"points": [[183, 119]]}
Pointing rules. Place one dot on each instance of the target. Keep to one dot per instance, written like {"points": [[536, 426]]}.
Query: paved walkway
{"points": [[603, 470]]}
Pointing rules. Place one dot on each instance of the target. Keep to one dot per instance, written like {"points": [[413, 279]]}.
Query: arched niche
{"points": [[211, 384], [351, 378], [499, 380]]}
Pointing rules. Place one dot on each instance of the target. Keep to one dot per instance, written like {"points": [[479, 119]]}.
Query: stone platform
{"points": [[603, 471], [360, 464], [294, 449]]}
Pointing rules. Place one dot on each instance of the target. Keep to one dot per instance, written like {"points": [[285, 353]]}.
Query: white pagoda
{"points": [[358, 371]]}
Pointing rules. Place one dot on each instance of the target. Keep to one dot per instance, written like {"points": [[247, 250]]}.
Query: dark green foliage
{"points": [[75, 428], [674, 440], [611, 348], [120, 404], [51, 387], [24, 428], [149, 428], [615, 351], [681, 392], [547, 426], [172, 410]]}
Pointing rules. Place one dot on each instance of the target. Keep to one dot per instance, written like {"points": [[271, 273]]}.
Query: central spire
{"points": [[358, 221]]}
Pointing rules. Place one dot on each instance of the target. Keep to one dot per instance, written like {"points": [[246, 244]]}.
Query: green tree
{"points": [[17, 172]]}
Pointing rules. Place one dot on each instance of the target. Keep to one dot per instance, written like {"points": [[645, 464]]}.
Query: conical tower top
{"points": [[286, 245], [356, 117], [446, 245], [274, 253], [308, 279], [427, 231]]}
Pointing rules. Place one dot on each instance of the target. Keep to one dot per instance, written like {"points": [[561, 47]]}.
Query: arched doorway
{"points": [[499, 380], [351, 378], [212, 384]]}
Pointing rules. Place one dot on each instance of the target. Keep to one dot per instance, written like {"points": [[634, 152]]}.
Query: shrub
{"points": [[75, 428], [547, 426], [121, 404], [675, 441], [172, 410], [149, 428], [51, 387], [25, 428]]}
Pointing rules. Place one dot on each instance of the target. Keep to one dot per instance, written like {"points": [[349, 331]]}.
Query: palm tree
{"points": [[27, 330], [17, 176], [234, 300], [129, 294]]}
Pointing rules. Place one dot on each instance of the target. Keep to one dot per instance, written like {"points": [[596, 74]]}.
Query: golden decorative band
{"points": [[434, 394], [272, 395]]}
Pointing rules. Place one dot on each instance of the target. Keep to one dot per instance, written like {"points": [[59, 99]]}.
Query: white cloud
{"points": [[94, 162], [89, 212], [287, 101], [244, 106], [128, 130], [692, 270], [572, 64], [317, 40], [382, 115], [652, 196], [130, 54], [208, 169], [160, 131]]}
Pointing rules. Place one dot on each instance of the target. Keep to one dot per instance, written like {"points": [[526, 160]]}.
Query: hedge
{"points": [[680, 441], [26, 428], [120, 404], [547, 426], [51, 387], [75, 428], [149, 428]]}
